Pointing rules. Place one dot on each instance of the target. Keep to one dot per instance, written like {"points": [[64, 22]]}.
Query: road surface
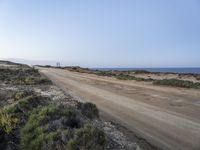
{"points": [[166, 117]]}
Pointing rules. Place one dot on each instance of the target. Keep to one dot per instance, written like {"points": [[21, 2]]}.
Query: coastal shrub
{"points": [[27, 104], [18, 72], [177, 83], [87, 138], [89, 110], [49, 127], [29, 80], [108, 74], [22, 76], [5, 95], [43, 80], [104, 73], [42, 139], [56, 127], [141, 72], [21, 94], [32, 71], [14, 117], [6, 73], [8, 122], [125, 77], [128, 77], [36, 80]]}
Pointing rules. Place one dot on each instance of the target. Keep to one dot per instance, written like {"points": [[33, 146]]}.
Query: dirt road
{"points": [[167, 117]]}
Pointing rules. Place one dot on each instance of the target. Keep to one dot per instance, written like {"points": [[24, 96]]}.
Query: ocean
{"points": [[172, 70]]}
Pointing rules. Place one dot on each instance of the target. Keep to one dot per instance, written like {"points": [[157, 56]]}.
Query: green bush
{"points": [[128, 77], [42, 139], [22, 76], [5, 96], [43, 80], [9, 74], [87, 138], [32, 71], [27, 104], [89, 110], [141, 72], [20, 95], [59, 128], [49, 128], [178, 83], [36, 80], [8, 122], [104, 73], [30, 80]]}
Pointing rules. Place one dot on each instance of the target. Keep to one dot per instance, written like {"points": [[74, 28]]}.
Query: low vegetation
{"points": [[57, 127], [128, 77], [29, 81], [141, 72], [46, 126], [21, 94], [5, 95], [22, 76], [87, 138], [23, 106], [8, 122], [105, 73], [177, 83], [31, 121], [89, 110]]}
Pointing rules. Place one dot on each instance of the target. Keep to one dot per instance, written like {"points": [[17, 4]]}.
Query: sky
{"points": [[102, 33]]}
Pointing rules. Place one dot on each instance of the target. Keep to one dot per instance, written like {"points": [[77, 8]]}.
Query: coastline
{"points": [[175, 70]]}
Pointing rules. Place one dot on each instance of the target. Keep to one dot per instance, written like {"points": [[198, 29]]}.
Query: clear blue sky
{"points": [[102, 33]]}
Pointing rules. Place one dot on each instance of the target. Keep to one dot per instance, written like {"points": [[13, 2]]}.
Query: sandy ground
{"points": [[166, 117], [160, 76]]}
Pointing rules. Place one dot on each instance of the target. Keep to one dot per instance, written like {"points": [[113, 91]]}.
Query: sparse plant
{"points": [[20, 95], [8, 122], [49, 127], [178, 83], [58, 127], [128, 77], [89, 110], [27, 104], [42, 124], [141, 72], [22, 76], [87, 138]]}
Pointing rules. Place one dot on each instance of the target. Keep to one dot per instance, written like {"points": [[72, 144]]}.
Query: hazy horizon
{"points": [[137, 34], [64, 64]]}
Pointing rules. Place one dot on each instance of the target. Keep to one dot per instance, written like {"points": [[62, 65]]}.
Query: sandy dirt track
{"points": [[166, 117]]}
